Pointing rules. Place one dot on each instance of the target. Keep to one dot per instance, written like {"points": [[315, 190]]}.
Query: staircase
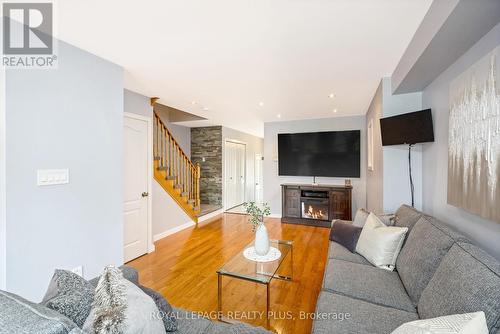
{"points": [[174, 171]]}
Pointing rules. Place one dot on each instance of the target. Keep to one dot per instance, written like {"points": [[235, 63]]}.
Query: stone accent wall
{"points": [[206, 142]]}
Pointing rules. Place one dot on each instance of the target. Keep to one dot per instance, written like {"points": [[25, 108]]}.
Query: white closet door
{"points": [[235, 174], [241, 173]]}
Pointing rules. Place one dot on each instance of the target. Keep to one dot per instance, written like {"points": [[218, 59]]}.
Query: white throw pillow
{"points": [[360, 217], [380, 244], [468, 323]]}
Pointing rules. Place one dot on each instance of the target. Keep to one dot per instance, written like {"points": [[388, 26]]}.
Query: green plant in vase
{"points": [[257, 214]]}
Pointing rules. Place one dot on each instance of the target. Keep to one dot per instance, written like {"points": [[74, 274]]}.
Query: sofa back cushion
{"points": [[425, 247], [467, 280], [407, 216], [17, 315]]}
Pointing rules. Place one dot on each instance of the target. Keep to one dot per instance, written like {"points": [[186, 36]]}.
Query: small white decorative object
{"points": [[261, 240], [272, 255]]}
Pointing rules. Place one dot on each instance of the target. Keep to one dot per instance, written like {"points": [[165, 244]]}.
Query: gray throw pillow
{"points": [[70, 295], [164, 307], [345, 234]]}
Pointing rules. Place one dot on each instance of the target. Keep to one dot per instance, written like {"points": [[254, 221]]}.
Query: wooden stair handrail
{"points": [[173, 139], [174, 170]]}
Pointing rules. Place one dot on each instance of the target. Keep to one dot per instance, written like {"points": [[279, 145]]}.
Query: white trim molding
{"points": [[210, 215], [3, 190], [173, 230], [149, 121]]}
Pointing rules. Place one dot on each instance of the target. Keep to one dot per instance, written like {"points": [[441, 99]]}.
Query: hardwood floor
{"points": [[183, 268]]}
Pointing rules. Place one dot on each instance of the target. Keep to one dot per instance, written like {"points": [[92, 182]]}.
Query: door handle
{"points": [[145, 194]]}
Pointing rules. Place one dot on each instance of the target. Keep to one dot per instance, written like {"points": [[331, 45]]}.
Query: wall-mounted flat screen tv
{"points": [[411, 128], [332, 154]]}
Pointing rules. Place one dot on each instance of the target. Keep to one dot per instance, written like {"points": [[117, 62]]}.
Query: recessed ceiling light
{"points": [[193, 102], [279, 115], [331, 95], [206, 109], [334, 110], [261, 104]]}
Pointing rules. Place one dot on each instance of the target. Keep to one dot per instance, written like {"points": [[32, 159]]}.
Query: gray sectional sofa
{"points": [[18, 315], [438, 272]]}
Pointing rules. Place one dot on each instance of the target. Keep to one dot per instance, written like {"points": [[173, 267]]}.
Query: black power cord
{"points": [[412, 188]]}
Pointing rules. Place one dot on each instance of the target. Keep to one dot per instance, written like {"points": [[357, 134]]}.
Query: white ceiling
{"points": [[229, 55]]}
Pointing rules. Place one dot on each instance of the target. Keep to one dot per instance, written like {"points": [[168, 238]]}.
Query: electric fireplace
{"points": [[314, 209], [315, 205]]}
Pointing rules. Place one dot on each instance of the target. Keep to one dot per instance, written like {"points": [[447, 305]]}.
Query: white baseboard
{"points": [[176, 229], [210, 215], [275, 215]]}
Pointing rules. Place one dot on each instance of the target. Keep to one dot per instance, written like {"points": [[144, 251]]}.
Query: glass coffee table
{"points": [[240, 267]]}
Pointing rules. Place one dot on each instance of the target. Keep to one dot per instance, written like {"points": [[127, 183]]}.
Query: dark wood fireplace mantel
{"points": [[316, 205]]}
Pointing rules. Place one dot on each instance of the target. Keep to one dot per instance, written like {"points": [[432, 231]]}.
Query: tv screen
{"points": [[333, 154], [411, 128]]}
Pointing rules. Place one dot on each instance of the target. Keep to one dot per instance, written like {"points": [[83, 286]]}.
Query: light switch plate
{"points": [[47, 177]]}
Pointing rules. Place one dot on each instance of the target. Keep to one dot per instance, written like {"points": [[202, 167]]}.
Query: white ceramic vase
{"points": [[261, 240]]}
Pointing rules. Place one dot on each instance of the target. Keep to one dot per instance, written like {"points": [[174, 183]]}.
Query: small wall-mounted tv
{"points": [[411, 128], [331, 154]]}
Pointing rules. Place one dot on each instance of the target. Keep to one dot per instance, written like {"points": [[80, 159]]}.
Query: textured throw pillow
{"points": [[345, 234], [164, 308], [469, 323], [18, 315], [70, 295], [121, 307], [380, 244], [360, 217]]}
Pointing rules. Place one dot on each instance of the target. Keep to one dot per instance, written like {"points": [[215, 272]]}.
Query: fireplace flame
{"points": [[315, 214]]}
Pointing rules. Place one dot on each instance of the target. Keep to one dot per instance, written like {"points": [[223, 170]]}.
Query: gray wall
{"points": [[166, 213], [374, 178], [69, 117], [206, 143], [435, 163], [396, 176], [254, 145], [139, 104], [272, 181]]}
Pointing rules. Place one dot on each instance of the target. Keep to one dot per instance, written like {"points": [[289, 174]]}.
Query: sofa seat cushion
{"points": [[466, 281], [192, 323], [345, 315], [189, 323], [407, 216], [425, 247], [337, 251], [367, 283]]}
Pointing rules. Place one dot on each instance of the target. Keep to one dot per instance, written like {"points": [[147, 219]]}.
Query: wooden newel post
{"points": [[198, 175]]}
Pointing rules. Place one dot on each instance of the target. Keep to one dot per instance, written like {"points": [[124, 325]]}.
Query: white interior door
{"points": [[241, 173], [136, 183], [259, 190], [234, 174]]}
